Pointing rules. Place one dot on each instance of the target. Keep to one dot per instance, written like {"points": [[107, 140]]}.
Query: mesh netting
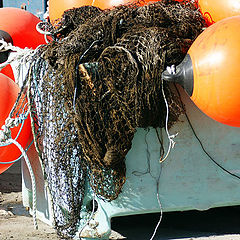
{"points": [[94, 85], [57, 143]]}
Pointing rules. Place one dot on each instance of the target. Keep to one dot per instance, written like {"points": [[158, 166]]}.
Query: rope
{"points": [[26, 150], [39, 28], [161, 212], [170, 137], [6, 139], [32, 179], [22, 55]]}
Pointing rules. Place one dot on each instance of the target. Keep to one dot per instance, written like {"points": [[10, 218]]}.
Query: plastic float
{"points": [[56, 8], [18, 27], [21, 133], [210, 72], [217, 10], [21, 26]]}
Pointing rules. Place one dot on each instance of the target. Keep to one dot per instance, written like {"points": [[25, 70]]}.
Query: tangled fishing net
{"points": [[92, 86]]}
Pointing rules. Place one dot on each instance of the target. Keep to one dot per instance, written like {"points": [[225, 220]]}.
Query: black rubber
{"points": [[183, 75], [5, 36]]}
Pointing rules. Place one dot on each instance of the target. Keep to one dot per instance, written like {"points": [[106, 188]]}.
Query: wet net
{"points": [[92, 86]]}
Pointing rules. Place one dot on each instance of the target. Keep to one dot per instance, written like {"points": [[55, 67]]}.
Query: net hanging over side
{"points": [[57, 143], [97, 82]]}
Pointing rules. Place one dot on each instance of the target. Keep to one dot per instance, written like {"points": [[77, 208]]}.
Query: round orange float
{"points": [[8, 94], [21, 26], [8, 71], [216, 10], [210, 72], [57, 7]]}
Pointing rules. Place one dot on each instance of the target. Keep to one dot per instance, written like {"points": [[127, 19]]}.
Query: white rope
{"points": [[170, 137], [171, 70], [20, 54], [32, 179], [45, 32], [6, 139], [160, 219]]}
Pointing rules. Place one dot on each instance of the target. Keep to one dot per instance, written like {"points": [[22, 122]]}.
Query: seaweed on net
{"points": [[99, 81]]}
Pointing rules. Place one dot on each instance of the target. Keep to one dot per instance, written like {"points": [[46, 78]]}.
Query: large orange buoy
{"points": [[8, 71], [210, 72], [21, 26], [57, 7], [8, 94], [18, 27], [216, 10]]}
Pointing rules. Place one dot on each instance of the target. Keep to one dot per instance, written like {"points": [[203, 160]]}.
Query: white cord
{"points": [[32, 179], [6, 139], [160, 219], [170, 137], [20, 53]]}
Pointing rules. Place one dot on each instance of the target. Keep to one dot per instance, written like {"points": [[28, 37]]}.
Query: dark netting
{"points": [[94, 85], [58, 146]]}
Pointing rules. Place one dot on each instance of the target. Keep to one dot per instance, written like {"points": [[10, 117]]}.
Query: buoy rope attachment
{"points": [[170, 137]]}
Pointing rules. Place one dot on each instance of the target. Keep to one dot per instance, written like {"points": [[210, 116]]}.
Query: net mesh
{"points": [[57, 143], [94, 85]]}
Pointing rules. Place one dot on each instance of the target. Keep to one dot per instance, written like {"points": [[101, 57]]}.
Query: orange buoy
{"points": [[210, 72], [21, 26], [8, 72], [57, 7], [8, 94], [18, 27], [217, 10]]}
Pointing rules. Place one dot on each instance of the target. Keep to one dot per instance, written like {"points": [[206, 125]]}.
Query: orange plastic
{"points": [[8, 94], [8, 72], [215, 57], [216, 10], [21, 26], [57, 7]]}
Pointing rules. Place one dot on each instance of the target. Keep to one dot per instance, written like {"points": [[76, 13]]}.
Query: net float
{"points": [[21, 26], [18, 27], [57, 8], [210, 71], [216, 10], [9, 92]]}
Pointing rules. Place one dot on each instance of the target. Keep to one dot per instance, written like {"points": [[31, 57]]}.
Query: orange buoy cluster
{"points": [[8, 94], [57, 7], [216, 10], [20, 25], [17, 27], [210, 72]]}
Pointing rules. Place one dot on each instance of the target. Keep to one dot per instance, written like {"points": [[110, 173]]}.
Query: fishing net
{"points": [[92, 86]]}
